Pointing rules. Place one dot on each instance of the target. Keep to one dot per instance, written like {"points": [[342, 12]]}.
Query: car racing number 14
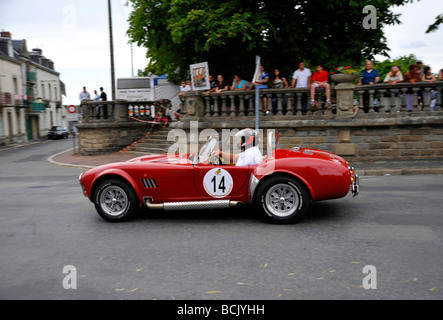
{"points": [[218, 183]]}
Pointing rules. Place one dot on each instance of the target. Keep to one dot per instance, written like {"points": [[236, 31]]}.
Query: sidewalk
{"points": [[363, 168], [20, 145]]}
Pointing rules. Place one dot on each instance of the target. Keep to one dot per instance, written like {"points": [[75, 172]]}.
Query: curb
{"points": [[70, 165], [400, 172]]}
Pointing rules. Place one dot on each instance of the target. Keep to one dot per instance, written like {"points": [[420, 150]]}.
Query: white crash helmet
{"points": [[248, 137]]}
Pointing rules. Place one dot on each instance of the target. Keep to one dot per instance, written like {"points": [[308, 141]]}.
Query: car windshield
{"points": [[56, 128], [206, 150]]}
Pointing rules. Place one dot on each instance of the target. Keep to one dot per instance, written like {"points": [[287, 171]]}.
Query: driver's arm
{"points": [[232, 157]]}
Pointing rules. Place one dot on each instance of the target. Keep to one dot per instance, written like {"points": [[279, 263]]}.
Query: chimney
{"points": [[39, 51], [6, 34]]}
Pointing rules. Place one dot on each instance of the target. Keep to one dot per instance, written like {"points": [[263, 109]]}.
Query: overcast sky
{"points": [[74, 34]]}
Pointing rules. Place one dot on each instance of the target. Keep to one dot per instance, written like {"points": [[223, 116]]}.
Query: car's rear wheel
{"points": [[115, 201], [282, 200]]}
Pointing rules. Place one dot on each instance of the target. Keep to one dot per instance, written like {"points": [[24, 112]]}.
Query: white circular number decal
{"points": [[218, 183]]}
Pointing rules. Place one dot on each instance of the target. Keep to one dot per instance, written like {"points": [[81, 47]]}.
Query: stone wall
{"points": [[360, 138], [99, 138]]}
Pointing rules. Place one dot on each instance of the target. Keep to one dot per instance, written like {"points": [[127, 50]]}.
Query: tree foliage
{"points": [[229, 33]]}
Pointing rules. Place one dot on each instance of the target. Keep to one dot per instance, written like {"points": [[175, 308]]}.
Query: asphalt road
{"points": [[395, 225]]}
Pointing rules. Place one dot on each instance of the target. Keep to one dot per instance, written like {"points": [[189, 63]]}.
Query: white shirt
{"points": [[302, 77], [84, 96], [249, 157], [185, 88]]}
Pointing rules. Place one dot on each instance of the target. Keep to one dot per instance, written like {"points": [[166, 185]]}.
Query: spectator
{"points": [[393, 77], [369, 76], [83, 96], [412, 76], [212, 88], [419, 64], [264, 85], [212, 85], [320, 80], [440, 78], [238, 83], [278, 82], [97, 107], [429, 77], [221, 85], [103, 97], [302, 79], [184, 87]]}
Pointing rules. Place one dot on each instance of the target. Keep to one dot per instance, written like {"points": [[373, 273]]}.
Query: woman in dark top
{"points": [[278, 82]]}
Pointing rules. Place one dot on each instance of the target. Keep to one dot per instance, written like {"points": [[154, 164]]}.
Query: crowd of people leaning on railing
{"points": [[304, 78]]}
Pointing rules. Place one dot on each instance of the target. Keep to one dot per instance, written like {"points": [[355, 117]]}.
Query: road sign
{"points": [[72, 109]]}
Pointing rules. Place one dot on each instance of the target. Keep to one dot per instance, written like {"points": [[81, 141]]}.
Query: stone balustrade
{"points": [[347, 100]]}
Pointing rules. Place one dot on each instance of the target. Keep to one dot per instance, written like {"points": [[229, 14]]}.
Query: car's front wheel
{"points": [[115, 201], [282, 200]]}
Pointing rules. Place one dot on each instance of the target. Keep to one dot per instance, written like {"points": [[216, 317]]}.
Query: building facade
{"points": [[30, 93]]}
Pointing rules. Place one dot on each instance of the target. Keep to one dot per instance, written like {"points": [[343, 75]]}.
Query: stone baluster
{"points": [[242, 106], [279, 104], [233, 107], [208, 106], [290, 105], [224, 110]]}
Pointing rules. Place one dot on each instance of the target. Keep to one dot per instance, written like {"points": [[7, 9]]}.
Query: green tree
{"points": [[229, 33]]}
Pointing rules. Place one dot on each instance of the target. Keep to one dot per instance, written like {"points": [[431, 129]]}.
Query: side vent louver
{"points": [[149, 183]]}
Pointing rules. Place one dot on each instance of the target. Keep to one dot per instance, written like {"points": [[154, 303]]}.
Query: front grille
{"points": [[149, 183]]}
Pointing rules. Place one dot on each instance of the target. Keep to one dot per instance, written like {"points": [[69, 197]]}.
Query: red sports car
{"points": [[280, 187]]}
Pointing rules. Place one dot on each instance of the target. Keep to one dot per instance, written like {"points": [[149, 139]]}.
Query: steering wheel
{"points": [[214, 161]]}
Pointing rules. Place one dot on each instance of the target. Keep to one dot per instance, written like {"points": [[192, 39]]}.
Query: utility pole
{"points": [[132, 60], [112, 50]]}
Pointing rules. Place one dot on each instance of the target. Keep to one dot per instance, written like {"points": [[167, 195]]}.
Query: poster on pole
{"points": [[200, 76]]}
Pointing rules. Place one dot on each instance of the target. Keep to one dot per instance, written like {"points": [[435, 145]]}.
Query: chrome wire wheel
{"points": [[114, 201], [282, 200]]}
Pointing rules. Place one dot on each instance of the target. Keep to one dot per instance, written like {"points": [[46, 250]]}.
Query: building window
{"points": [[50, 92], [43, 91], [15, 85]]}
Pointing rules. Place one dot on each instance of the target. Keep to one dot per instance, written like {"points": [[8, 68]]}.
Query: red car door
{"points": [[219, 181]]}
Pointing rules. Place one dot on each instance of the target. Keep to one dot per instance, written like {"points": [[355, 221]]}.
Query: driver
{"points": [[250, 152]]}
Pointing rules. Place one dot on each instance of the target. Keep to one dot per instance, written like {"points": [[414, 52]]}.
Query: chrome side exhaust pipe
{"points": [[193, 205]]}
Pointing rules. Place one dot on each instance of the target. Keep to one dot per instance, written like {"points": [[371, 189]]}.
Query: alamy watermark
{"points": [[70, 281], [370, 21]]}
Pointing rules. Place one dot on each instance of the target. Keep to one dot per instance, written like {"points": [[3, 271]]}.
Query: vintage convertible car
{"points": [[280, 187]]}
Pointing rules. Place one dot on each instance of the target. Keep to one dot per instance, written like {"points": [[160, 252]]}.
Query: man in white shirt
{"points": [[84, 95], [250, 154], [302, 79]]}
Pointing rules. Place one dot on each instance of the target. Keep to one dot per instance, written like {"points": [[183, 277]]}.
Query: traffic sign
{"points": [[72, 109]]}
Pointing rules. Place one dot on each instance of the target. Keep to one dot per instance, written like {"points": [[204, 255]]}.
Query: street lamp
{"points": [[112, 50]]}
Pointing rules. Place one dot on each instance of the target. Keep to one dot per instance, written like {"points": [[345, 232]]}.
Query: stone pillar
{"points": [[345, 99], [193, 106]]}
